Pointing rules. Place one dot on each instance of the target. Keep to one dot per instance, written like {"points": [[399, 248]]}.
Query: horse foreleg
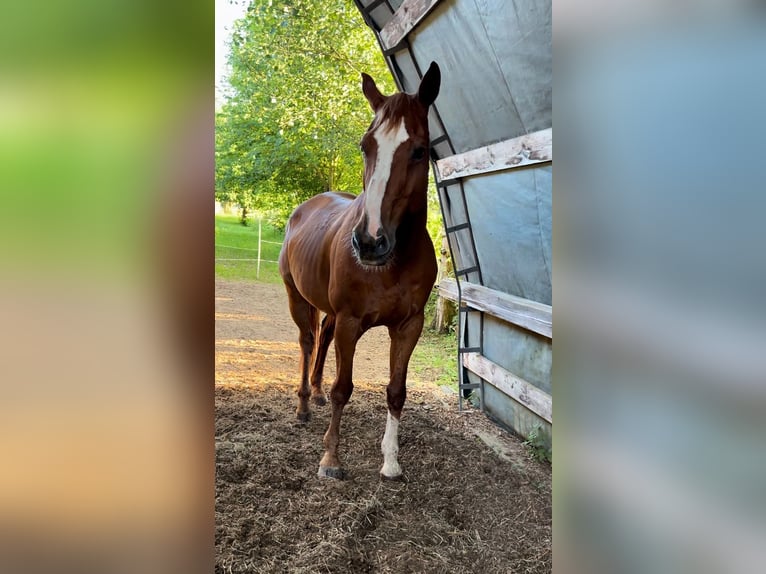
{"points": [[403, 340], [347, 333], [326, 335]]}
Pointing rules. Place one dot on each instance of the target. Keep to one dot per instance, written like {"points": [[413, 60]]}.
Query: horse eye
{"points": [[418, 153]]}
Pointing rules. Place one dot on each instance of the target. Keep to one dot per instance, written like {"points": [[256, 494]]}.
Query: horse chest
{"points": [[381, 300]]}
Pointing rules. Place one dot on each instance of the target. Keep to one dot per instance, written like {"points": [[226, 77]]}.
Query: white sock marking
{"points": [[388, 138], [390, 448]]}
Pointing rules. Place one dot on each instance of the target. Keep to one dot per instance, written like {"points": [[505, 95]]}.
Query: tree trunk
{"points": [[445, 309]]}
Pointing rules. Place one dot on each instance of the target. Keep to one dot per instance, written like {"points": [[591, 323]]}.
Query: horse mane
{"points": [[398, 106]]}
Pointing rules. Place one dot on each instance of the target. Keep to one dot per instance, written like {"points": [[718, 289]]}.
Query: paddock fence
{"points": [[258, 259]]}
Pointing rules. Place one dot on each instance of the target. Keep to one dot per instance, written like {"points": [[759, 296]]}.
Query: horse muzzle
{"points": [[372, 250]]}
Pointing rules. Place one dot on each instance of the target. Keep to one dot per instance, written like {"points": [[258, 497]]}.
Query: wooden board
{"points": [[528, 149], [404, 20], [531, 315], [537, 401]]}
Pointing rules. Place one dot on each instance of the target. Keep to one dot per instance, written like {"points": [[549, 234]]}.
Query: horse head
{"points": [[396, 151]]}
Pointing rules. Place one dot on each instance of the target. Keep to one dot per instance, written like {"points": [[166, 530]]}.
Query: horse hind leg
{"points": [[306, 317], [326, 334]]}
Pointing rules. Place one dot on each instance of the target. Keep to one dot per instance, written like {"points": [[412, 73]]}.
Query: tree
{"points": [[295, 113]]}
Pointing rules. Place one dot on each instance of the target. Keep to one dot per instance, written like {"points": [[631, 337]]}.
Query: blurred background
{"points": [[659, 370], [106, 305]]}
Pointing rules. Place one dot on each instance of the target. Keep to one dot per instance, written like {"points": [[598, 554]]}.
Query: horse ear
{"points": [[429, 85], [371, 92]]}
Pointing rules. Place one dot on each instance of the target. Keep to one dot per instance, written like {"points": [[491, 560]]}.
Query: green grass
{"points": [[538, 445], [236, 241], [435, 359]]}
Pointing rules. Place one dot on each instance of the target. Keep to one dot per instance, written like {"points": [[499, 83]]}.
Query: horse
{"points": [[365, 261]]}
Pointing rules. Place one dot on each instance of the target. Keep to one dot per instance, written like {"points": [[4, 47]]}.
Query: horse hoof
{"points": [[331, 472], [397, 478], [319, 400], [304, 417]]}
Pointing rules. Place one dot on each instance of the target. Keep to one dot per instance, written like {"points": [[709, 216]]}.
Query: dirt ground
{"points": [[471, 500]]}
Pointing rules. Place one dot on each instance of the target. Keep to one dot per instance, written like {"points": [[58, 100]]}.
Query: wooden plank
{"points": [[404, 20], [537, 401], [528, 149], [537, 317], [448, 289]]}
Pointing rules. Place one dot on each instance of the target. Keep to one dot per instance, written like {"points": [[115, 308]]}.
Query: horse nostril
{"points": [[381, 245]]}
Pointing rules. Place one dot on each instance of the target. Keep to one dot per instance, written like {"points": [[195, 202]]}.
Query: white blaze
{"points": [[388, 138], [390, 448]]}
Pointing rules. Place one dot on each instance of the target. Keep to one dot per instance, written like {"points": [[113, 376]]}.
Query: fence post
{"points": [[258, 266]]}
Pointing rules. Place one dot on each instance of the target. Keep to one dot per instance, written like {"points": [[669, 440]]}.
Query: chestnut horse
{"points": [[365, 261]]}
